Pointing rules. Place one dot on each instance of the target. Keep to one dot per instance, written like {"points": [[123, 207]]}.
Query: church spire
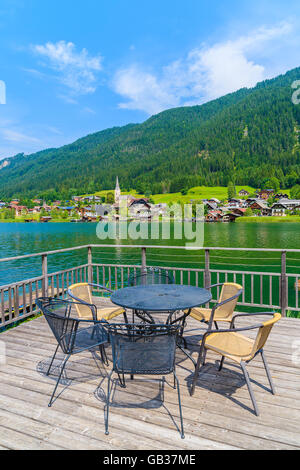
{"points": [[117, 191]]}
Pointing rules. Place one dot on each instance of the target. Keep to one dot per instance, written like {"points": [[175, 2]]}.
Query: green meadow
{"points": [[196, 193]]}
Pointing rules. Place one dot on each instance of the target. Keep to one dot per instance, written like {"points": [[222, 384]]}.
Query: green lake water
{"points": [[19, 238]]}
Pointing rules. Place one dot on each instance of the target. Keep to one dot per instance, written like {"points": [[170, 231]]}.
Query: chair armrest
{"points": [[101, 287], [95, 322], [237, 315], [215, 285], [219, 304], [229, 330]]}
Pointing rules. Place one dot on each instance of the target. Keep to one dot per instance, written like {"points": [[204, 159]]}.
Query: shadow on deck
{"points": [[145, 414]]}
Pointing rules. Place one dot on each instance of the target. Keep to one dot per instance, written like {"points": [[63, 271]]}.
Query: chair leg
{"points": [[103, 354], [246, 375], [201, 359], [179, 404], [216, 325], [48, 371], [268, 372], [58, 380], [107, 403], [221, 363], [122, 381]]}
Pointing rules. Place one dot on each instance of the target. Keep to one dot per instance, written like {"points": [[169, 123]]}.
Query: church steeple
{"points": [[117, 191]]}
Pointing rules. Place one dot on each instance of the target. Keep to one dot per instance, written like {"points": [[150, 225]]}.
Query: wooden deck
{"points": [[218, 416]]}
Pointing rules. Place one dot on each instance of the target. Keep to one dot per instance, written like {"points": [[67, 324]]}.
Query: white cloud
{"points": [[76, 70], [205, 73], [15, 136]]}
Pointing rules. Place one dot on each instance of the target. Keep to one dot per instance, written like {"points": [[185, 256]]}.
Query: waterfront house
{"points": [[214, 216], [45, 218], [260, 206], [139, 208], [278, 209], [239, 211], [229, 217]]}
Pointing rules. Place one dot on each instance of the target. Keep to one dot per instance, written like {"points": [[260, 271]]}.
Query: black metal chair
{"points": [[71, 337], [142, 350], [145, 277], [150, 276]]}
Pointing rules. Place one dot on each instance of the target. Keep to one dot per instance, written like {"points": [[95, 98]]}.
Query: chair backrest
{"points": [[263, 333], [229, 289], [150, 276], [57, 313], [83, 294], [143, 349]]}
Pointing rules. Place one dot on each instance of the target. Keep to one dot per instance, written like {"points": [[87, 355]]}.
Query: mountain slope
{"points": [[245, 136]]}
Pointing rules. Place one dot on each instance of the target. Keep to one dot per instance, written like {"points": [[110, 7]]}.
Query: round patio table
{"points": [[161, 297]]}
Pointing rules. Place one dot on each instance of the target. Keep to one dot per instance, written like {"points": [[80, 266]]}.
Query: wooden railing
{"points": [[265, 290]]}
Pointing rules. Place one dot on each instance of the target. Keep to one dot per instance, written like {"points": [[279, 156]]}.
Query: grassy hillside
{"points": [[196, 193], [245, 137]]}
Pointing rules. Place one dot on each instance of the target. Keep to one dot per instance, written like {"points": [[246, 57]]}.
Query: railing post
{"points": [[144, 259], [90, 265], [45, 276], [207, 271], [283, 285]]}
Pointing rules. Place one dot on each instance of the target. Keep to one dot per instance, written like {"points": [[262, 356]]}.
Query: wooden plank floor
{"points": [[145, 414]]}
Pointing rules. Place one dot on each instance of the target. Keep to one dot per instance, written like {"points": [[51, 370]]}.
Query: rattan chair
{"points": [[150, 276], [85, 307], [140, 349], [239, 348], [223, 310], [73, 335]]}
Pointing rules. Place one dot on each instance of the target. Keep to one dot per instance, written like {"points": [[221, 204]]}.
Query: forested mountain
{"points": [[244, 137]]}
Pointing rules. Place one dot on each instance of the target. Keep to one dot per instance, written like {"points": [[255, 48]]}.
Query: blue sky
{"points": [[76, 67]]}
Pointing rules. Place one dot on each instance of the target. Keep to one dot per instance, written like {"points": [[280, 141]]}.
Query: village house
{"points": [[260, 206], [278, 209], [290, 204], [281, 196], [90, 199], [20, 210], [239, 211], [213, 216], [210, 205], [139, 207], [265, 193], [229, 217], [213, 200], [243, 192]]}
